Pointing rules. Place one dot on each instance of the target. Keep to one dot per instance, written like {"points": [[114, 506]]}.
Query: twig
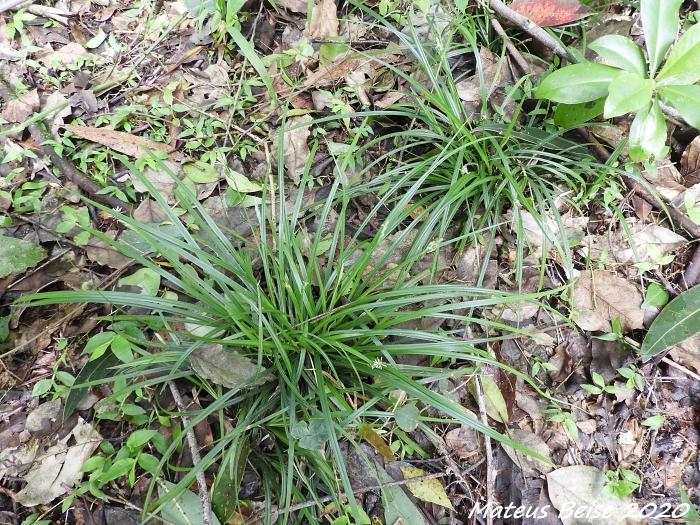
{"points": [[194, 451], [490, 481], [681, 368], [12, 4], [692, 270], [59, 15], [532, 29], [517, 56]]}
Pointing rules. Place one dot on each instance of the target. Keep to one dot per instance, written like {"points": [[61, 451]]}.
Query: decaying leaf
{"points": [[463, 441], [163, 180], [577, 492], [547, 13], [494, 402], [430, 490], [224, 366], [601, 297], [58, 469], [67, 55]]}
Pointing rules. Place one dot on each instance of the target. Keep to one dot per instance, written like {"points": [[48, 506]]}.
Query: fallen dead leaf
{"points": [[600, 297], [295, 6], [577, 492], [324, 20], [430, 490], [58, 469], [125, 143], [548, 13], [19, 109], [690, 163], [464, 442], [528, 465], [296, 149], [67, 55]]}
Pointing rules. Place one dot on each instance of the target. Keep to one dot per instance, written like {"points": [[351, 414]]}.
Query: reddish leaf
{"points": [[547, 13]]}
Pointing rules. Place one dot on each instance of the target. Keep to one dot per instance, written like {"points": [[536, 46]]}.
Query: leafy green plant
{"points": [[317, 328], [629, 82], [621, 482], [557, 415]]}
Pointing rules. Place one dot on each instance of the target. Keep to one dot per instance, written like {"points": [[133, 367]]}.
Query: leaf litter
{"points": [[611, 430]]}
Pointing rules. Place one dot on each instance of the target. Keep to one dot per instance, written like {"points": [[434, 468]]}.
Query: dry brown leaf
{"points": [[548, 13], [600, 297], [163, 180], [120, 141], [690, 163], [19, 109], [651, 242], [67, 55], [324, 20], [464, 442], [528, 465], [102, 253], [149, 211], [296, 149], [295, 6]]}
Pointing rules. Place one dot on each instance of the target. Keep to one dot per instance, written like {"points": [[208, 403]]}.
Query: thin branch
{"points": [[532, 29], [194, 451]]}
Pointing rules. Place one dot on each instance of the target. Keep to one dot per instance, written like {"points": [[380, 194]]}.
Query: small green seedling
{"points": [[628, 82], [621, 483]]}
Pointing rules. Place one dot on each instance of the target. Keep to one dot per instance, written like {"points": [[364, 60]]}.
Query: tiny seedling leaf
{"points": [[16, 255], [656, 296], [619, 51], [577, 83], [660, 22], [407, 417], [654, 422], [681, 67], [678, 321]]}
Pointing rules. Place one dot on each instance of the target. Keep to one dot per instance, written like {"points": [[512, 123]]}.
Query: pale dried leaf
{"points": [[295, 6], [149, 211], [600, 297], [19, 109], [324, 20], [296, 149], [463, 442], [529, 466], [67, 55], [651, 241], [57, 99], [120, 141], [224, 366], [580, 488], [100, 252], [57, 470], [163, 180]]}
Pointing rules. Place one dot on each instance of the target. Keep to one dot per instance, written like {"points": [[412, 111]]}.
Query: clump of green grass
{"points": [[321, 322], [472, 169]]}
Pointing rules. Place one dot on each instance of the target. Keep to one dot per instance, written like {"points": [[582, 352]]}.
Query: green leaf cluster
{"points": [[627, 81]]}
